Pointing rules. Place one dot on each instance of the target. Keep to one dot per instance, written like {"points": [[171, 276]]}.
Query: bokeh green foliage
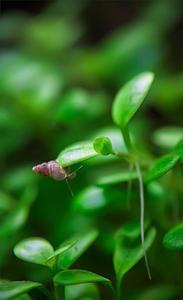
{"points": [[57, 90]]}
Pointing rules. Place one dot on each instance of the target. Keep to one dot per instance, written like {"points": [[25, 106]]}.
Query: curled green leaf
{"points": [[103, 145]]}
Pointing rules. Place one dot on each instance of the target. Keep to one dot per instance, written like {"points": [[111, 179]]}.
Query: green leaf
{"points": [[167, 137], [76, 153], [117, 177], [17, 217], [103, 145], [34, 250], [62, 248], [130, 98], [12, 289], [71, 255], [72, 277], [173, 239], [115, 136], [179, 149], [93, 199], [82, 291], [23, 297], [6, 202], [127, 253], [130, 230], [161, 166], [159, 292]]}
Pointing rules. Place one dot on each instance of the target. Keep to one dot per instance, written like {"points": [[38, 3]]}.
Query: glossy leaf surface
{"points": [[34, 250], [76, 153], [130, 98]]}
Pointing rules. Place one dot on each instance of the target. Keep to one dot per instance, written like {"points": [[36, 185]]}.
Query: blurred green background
{"points": [[61, 63]]}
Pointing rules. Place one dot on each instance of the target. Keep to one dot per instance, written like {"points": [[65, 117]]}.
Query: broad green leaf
{"points": [[161, 166], [93, 199], [128, 254], [72, 277], [102, 145], [130, 98], [76, 153], [12, 289], [34, 250], [82, 291], [117, 177], [18, 216], [71, 255], [167, 137], [173, 239]]}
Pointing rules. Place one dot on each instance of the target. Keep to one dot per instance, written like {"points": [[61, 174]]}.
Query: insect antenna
{"points": [[73, 172], [69, 186], [71, 175]]}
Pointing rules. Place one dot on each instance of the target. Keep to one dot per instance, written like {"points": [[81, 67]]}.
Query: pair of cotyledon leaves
{"points": [[40, 251]]}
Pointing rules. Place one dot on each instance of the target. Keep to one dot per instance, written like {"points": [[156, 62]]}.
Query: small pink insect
{"points": [[54, 170]]}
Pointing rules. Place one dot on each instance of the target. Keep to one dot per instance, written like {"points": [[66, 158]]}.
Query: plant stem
{"points": [[128, 142], [141, 189], [118, 289], [127, 139]]}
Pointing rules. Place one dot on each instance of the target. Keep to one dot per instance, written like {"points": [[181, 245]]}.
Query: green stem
{"points": [[128, 142], [118, 290], [47, 293], [127, 139], [59, 292]]}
